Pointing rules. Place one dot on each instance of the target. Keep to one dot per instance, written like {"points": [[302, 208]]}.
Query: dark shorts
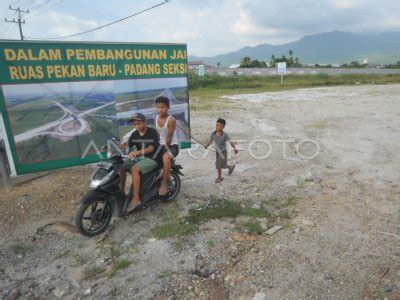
{"points": [[221, 161], [172, 149]]}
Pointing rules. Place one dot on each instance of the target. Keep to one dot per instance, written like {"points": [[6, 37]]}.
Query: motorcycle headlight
{"points": [[99, 177], [94, 184]]}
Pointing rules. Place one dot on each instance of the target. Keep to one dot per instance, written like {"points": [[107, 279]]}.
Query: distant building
{"points": [[375, 66], [194, 65], [365, 61], [234, 66]]}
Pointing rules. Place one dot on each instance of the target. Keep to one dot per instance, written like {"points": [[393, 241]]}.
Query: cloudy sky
{"points": [[209, 27]]}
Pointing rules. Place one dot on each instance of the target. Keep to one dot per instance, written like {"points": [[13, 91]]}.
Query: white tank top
{"points": [[163, 131]]}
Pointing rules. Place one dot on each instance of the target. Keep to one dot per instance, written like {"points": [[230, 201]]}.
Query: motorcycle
{"points": [[105, 199]]}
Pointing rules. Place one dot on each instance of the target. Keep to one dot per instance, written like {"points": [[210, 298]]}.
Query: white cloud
{"points": [[212, 27], [65, 24]]}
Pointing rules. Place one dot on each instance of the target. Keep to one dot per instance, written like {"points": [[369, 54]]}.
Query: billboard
{"points": [[60, 102]]}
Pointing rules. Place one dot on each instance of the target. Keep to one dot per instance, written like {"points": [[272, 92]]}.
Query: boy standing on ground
{"points": [[220, 138], [166, 125]]}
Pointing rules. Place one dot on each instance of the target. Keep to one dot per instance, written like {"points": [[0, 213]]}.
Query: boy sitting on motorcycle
{"points": [[142, 160], [166, 125]]}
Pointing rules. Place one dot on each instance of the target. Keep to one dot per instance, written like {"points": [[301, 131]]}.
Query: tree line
{"points": [[291, 61], [294, 62]]}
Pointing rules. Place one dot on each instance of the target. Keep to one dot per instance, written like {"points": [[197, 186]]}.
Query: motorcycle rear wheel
{"points": [[174, 182]]}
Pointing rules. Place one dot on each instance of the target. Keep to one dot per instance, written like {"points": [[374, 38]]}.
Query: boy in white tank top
{"points": [[166, 124]]}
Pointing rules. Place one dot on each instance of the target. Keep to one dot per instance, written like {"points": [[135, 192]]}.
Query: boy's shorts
{"points": [[221, 161], [173, 149], [144, 164]]}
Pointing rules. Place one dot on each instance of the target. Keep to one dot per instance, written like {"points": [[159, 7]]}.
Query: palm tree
{"points": [[218, 64], [245, 62]]}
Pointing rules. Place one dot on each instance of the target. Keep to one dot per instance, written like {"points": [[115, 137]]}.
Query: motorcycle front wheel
{"points": [[93, 216]]}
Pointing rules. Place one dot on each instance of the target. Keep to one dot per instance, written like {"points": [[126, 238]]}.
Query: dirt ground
{"points": [[330, 181]]}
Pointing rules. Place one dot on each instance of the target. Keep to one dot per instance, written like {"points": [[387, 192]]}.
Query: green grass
{"points": [[300, 182], [284, 214], [173, 229], [216, 209], [210, 242], [119, 265], [205, 92], [166, 273], [66, 253], [261, 212], [291, 200], [18, 249], [93, 271], [252, 227]]}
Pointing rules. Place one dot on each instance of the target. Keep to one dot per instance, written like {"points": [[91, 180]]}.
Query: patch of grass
{"points": [[269, 241], [217, 209], [291, 200], [261, 212], [212, 86], [173, 230], [274, 200], [66, 253], [253, 227], [165, 273], [93, 271], [119, 265], [284, 214], [287, 225], [300, 182], [170, 214], [18, 249], [210, 242]]}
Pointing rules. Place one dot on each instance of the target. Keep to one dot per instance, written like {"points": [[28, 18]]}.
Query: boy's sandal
{"points": [[136, 208], [231, 169], [218, 180]]}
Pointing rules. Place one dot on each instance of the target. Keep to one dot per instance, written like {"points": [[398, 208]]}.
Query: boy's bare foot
{"points": [[231, 169], [163, 190], [218, 180]]}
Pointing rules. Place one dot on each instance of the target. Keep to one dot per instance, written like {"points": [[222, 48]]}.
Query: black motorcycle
{"points": [[105, 198]]}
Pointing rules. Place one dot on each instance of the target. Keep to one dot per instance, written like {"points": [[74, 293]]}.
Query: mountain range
{"points": [[335, 47]]}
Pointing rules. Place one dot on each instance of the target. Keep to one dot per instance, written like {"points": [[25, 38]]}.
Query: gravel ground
{"points": [[330, 183]]}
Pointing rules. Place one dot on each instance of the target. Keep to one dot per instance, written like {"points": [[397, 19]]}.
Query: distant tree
{"points": [[245, 62], [218, 65], [255, 64], [355, 64]]}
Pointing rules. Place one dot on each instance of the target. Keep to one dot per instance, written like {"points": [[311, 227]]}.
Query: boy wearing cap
{"points": [[220, 138], [142, 160]]}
